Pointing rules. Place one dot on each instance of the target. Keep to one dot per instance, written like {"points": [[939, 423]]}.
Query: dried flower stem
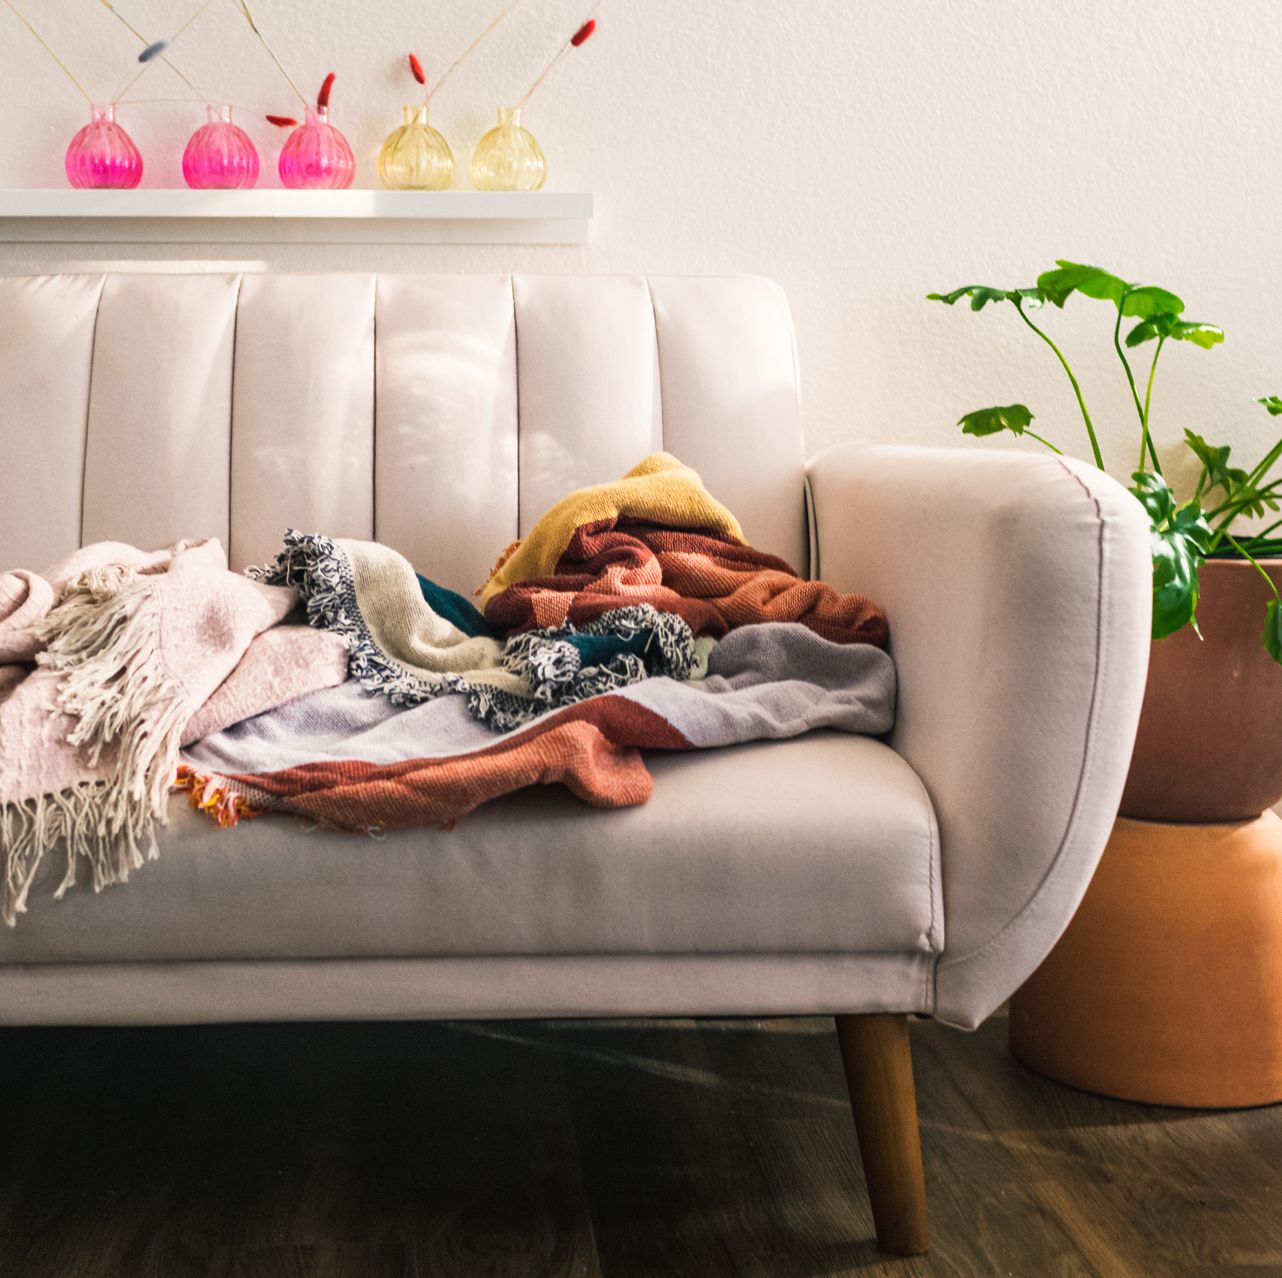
{"points": [[44, 44], [556, 61], [161, 57], [242, 7], [467, 53], [235, 106]]}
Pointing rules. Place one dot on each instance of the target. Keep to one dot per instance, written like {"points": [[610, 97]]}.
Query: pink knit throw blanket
{"points": [[109, 662]]}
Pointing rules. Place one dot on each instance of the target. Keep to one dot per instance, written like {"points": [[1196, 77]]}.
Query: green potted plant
{"points": [[1166, 985], [1217, 611]]}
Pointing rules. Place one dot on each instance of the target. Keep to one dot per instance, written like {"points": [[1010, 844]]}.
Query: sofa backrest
{"points": [[438, 414]]}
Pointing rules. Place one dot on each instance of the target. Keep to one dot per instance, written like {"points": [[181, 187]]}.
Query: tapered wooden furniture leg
{"points": [[879, 1074]]}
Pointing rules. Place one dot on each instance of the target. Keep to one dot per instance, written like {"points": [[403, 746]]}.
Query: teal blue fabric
{"points": [[598, 650], [453, 607], [593, 650]]}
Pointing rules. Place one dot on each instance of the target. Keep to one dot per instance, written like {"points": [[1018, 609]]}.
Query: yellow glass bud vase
{"points": [[508, 158], [415, 157]]}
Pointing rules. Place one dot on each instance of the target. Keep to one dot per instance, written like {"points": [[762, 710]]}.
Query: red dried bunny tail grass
{"points": [[416, 67], [322, 98], [584, 33], [282, 121]]}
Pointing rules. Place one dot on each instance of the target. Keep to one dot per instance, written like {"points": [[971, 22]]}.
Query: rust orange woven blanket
{"points": [[714, 582]]}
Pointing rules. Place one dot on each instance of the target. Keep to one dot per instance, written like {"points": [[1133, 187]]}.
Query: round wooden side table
{"points": [[1167, 985]]}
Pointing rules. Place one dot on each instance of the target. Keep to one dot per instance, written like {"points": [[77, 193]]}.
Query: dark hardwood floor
{"points": [[328, 1151]]}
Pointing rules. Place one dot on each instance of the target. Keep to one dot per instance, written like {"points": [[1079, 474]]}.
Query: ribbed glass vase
{"points": [[102, 154], [414, 156], [508, 158], [220, 155], [316, 155]]}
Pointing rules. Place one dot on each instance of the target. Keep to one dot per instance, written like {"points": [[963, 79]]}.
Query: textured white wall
{"points": [[862, 153]]}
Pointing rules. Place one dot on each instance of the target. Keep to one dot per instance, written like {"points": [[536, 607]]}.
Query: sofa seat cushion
{"points": [[821, 844]]}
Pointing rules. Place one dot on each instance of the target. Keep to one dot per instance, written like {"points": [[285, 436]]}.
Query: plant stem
{"points": [[1130, 380], [235, 106], [462, 57], [556, 62], [142, 39], [1250, 559], [1264, 532], [1267, 464], [1077, 390], [1237, 505], [547, 71], [62, 66], [1146, 440], [242, 7], [146, 66], [1032, 435]]}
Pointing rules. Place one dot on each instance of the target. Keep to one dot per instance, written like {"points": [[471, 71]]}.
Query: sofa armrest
{"points": [[1018, 592]]}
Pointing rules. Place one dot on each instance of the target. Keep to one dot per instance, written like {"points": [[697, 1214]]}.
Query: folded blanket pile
{"points": [[659, 490], [713, 583], [109, 657], [633, 616]]}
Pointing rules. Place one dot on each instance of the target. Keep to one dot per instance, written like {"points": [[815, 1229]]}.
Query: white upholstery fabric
{"points": [[440, 413], [463, 988], [160, 412], [539, 873], [445, 455], [302, 451], [46, 354], [751, 396], [588, 384], [1018, 590]]}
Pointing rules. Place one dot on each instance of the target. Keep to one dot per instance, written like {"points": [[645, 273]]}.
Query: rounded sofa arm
{"points": [[1018, 590]]}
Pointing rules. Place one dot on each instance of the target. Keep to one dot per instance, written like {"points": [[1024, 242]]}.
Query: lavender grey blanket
{"points": [[356, 761]]}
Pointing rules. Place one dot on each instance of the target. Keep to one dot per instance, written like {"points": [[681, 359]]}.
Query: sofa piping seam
{"points": [[1102, 626]]}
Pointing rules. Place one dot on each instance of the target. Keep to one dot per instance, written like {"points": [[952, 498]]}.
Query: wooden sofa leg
{"points": [[879, 1074]]}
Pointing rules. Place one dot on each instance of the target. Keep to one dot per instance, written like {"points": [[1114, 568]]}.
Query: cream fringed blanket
{"points": [[108, 663]]}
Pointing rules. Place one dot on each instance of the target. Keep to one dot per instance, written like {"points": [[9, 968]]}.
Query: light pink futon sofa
{"points": [[925, 873]]}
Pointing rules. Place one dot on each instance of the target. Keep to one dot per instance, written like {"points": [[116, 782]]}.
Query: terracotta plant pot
{"points": [[1167, 985], [1210, 738]]}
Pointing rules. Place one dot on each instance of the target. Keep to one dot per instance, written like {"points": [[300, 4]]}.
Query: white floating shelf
{"points": [[56, 216]]}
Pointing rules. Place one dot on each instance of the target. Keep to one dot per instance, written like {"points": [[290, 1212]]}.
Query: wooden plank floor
{"points": [[623, 1150]]}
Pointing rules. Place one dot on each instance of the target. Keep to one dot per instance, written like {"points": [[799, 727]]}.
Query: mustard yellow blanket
{"points": [[659, 490]]}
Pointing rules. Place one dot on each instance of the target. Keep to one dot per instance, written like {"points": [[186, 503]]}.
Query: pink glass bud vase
{"points": [[219, 155], [102, 154], [316, 155]]}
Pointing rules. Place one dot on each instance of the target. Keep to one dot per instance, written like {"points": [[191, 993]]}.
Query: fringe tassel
{"points": [[507, 554], [214, 797], [103, 639], [111, 838]]}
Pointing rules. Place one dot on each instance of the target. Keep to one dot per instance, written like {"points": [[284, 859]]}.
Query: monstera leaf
{"points": [[992, 421], [1246, 495], [1146, 300], [1179, 538], [981, 294], [1215, 458], [1073, 277], [1138, 300], [1167, 325], [1273, 630]]}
